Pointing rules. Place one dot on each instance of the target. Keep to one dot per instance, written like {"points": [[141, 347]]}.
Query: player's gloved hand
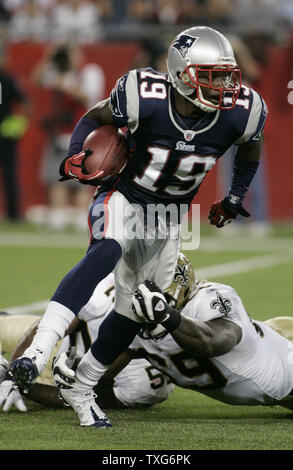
{"points": [[10, 396], [3, 367], [73, 168], [150, 305], [224, 212], [63, 374]]}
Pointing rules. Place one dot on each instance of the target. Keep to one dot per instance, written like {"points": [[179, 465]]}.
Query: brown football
{"points": [[109, 151]]}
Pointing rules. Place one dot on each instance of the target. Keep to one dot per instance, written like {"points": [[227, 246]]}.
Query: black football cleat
{"points": [[22, 372]]}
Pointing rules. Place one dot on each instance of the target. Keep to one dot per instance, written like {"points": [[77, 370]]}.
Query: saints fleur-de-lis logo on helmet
{"points": [[181, 274], [183, 283], [224, 305]]}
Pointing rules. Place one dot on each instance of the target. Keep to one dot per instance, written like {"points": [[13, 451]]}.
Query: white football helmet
{"points": [[195, 58]]}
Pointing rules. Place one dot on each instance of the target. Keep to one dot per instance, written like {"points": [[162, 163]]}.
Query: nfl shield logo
{"points": [[188, 135]]}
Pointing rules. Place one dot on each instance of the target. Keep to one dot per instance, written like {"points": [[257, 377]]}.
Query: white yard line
{"points": [[44, 240], [242, 266], [215, 244], [35, 307], [210, 272]]}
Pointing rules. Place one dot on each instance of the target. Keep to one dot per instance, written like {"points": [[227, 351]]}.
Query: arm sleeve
{"points": [[124, 101], [256, 119], [216, 301]]}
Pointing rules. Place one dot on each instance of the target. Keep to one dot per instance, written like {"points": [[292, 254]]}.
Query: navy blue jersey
{"points": [[171, 155]]}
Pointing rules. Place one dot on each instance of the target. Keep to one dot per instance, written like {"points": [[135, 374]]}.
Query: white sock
{"points": [[52, 327], [89, 371]]}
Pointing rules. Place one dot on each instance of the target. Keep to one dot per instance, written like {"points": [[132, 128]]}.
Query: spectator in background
{"points": [[118, 11], [107, 11], [167, 11], [140, 11], [30, 22], [152, 53], [74, 87], [77, 20], [13, 124], [5, 17], [190, 12], [14, 5], [254, 16], [176, 11], [215, 13], [4, 13]]}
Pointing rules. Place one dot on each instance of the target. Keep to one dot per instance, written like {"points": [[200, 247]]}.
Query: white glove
{"points": [[9, 396], [63, 375], [3, 367], [149, 303]]}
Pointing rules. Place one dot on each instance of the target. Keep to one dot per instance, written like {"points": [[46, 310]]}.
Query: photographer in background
{"points": [[73, 88]]}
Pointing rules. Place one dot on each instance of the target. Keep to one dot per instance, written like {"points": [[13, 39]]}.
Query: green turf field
{"points": [[260, 269]]}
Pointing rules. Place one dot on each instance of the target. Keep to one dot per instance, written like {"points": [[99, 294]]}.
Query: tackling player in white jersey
{"points": [[138, 385], [214, 347]]}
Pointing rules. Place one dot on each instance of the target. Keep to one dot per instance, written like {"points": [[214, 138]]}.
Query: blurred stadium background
{"points": [[110, 37]]}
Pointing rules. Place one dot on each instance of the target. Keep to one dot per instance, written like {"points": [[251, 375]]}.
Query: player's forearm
{"points": [[97, 116], [194, 336], [246, 164], [207, 339]]}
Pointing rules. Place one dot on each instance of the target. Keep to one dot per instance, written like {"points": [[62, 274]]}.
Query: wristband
{"points": [[243, 173]]}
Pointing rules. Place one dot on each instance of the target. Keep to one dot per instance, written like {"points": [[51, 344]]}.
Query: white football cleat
{"points": [[84, 404]]}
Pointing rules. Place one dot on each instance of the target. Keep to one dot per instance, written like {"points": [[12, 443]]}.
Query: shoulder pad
{"points": [[251, 112]]}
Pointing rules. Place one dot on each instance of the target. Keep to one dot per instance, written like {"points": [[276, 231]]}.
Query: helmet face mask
{"points": [[202, 68], [201, 77]]}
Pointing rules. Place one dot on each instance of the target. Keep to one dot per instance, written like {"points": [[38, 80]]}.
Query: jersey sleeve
{"points": [[136, 96], [253, 125], [216, 301], [124, 101]]}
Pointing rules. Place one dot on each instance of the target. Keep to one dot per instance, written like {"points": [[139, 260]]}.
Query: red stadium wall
{"points": [[116, 59]]}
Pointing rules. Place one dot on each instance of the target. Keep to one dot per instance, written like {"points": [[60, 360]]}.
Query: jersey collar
{"points": [[179, 123]]}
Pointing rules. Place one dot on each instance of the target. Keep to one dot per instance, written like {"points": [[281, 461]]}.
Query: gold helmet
{"points": [[182, 285]]}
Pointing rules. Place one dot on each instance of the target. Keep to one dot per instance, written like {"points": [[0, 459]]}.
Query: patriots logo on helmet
{"points": [[183, 42]]}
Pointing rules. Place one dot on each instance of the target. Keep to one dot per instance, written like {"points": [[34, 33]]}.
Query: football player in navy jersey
{"points": [[178, 125]]}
